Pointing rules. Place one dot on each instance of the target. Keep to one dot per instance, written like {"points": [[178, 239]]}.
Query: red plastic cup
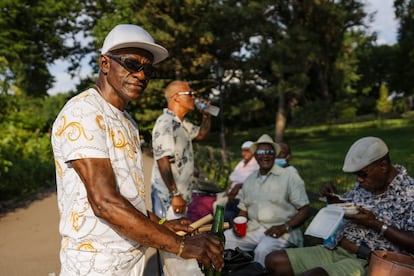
{"points": [[240, 226]]}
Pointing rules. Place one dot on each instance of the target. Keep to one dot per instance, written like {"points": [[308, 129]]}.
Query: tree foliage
{"points": [[34, 34]]}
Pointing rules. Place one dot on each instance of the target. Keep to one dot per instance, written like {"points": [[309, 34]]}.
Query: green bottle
{"points": [[217, 230]]}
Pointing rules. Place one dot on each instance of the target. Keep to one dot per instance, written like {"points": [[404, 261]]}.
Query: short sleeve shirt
{"points": [[172, 137], [274, 199], [395, 208], [89, 127]]}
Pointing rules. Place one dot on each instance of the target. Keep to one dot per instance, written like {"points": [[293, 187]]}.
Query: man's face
{"points": [[265, 156], [184, 96], [246, 154], [373, 177], [122, 73], [284, 151]]}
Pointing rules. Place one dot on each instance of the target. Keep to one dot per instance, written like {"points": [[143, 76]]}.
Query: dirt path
{"points": [[30, 241]]}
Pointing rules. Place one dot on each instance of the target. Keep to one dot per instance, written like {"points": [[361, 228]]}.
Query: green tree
{"points": [[404, 70], [300, 51], [34, 34], [384, 105]]}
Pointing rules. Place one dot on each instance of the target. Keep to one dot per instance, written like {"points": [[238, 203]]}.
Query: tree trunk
{"points": [[280, 123]]}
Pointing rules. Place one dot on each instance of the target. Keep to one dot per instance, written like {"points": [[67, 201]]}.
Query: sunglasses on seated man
{"points": [[265, 152], [365, 172], [133, 66]]}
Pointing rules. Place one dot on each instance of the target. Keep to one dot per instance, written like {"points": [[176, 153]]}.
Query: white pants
{"points": [[256, 241]]}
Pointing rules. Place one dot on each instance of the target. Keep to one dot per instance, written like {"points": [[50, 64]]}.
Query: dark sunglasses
{"points": [[133, 66], [189, 93], [364, 174], [265, 152], [361, 174]]}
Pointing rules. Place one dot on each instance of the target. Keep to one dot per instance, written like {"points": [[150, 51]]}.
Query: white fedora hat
{"points": [[265, 139], [128, 35]]}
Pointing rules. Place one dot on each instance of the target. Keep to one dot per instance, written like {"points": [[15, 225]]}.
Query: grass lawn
{"points": [[318, 152]]}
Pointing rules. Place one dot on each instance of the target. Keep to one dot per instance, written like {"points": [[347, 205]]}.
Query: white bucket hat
{"points": [[128, 35], [265, 139], [363, 152]]}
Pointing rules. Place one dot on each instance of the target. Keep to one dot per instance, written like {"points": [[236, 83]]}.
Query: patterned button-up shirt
{"points": [[172, 137], [395, 208]]}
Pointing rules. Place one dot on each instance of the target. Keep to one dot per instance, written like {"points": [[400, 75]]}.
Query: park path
{"points": [[30, 241]]}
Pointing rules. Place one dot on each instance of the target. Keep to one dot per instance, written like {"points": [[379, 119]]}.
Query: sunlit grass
{"points": [[318, 152]]}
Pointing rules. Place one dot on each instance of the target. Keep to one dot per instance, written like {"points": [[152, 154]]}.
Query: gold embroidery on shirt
{"points": [[120, 142], [99, 120], [76, 130], [87, 246], [76, 216], [65, 243], [59, 170], [139, 180]]}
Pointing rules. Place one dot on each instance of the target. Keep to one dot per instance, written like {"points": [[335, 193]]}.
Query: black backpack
{"points": [[241, 263]]}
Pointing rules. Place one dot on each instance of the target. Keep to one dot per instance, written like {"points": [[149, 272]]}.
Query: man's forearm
{"points": [[166, 173], [204, 127]]}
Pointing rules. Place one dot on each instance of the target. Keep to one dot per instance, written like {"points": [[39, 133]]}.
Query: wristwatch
{"points": [[288, 228], [384, 228]]}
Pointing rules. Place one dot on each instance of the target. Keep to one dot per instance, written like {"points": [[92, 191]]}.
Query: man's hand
{"points": [[234, 191], [276, 231], [181, 224], [205, 248], [364, 217], [178, 204], [327, 190]]}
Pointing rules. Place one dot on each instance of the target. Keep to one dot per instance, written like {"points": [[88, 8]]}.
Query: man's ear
{"points": [[384, 166], [104, 64]]}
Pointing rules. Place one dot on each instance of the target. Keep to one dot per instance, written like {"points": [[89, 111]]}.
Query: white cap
{"points": [[128, 35], [363, 152], [265, 139], [246, 145]]}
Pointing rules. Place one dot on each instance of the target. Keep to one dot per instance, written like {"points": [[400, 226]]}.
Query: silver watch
{"points": [[384, 228]]}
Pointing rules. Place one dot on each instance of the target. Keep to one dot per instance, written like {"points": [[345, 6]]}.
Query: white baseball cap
{"points": [[246, 145], [363, 152], [128, 35]]}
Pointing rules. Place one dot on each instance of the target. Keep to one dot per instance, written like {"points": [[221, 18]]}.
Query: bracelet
{"points": [[180, 251], [384, 228], [175, 192], [161, 221]]}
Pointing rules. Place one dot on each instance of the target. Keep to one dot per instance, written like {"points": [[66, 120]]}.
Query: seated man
{"points": [[274, 201], [283, 158], [389, 224]]}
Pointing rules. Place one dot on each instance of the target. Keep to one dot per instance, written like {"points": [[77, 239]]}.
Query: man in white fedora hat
{"points": [[104, 223], [384, 219], [275, 202]]}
